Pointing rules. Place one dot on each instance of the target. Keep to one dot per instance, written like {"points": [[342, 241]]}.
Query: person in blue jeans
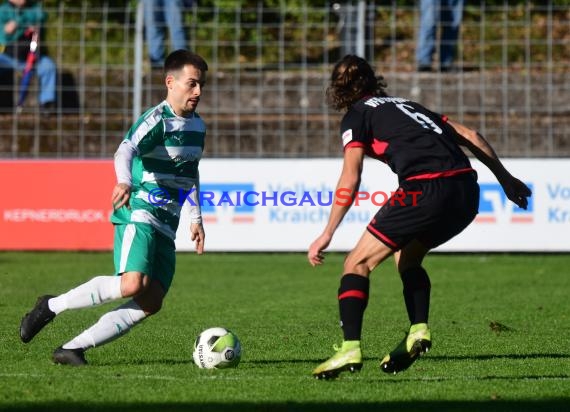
{"points": [[159, 15], [18, 19], [448, 14]]}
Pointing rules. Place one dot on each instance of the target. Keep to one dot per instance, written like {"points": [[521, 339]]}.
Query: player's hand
{"points": [[121, 195], [198, 236], [10, 27], [517, 191], [316, 255]]}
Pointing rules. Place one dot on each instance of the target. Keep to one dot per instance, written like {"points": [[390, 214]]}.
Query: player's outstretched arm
{"points": [[348, 183], [515, 190]]}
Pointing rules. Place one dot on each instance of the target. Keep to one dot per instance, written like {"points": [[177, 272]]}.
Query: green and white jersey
{"points": [[159, 159]]}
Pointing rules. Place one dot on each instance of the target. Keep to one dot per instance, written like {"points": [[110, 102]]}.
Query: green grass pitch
{"points": [[500, 329]]}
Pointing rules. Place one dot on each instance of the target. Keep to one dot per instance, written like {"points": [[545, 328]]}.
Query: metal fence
{"points": [[269, 68]]}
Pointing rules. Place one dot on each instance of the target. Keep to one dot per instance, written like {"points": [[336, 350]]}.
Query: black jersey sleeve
{"points": [[353, 130]]}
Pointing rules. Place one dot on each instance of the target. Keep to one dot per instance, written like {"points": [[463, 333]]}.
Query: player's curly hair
{"points": [[351, 79]]}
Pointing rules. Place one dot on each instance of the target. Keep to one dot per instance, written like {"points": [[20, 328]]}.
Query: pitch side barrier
{"points": [[271, 205]]}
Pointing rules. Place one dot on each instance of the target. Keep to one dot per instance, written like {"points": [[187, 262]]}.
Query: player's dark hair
{"points": [[353, 78], [180, 58]]}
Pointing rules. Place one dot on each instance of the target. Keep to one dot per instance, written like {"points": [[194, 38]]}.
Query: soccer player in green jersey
{"points": [[157, 170]]}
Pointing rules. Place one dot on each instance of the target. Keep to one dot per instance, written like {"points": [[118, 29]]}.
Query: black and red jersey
{"points": [[413, 141]]}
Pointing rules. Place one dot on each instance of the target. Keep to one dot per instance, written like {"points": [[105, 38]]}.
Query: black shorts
{"points": [[431, 211]]}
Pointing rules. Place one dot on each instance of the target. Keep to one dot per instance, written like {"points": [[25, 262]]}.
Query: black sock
{"points": [[352, 301], [417, 289]]}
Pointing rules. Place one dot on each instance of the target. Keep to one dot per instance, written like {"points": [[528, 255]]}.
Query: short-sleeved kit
{"points": [[165, 170], [438, 194]]}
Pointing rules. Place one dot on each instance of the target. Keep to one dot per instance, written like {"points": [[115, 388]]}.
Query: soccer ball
{"points": [[217, 348]]}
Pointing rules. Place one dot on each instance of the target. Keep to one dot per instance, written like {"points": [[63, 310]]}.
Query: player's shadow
{"points": [[130, 362], [494, 405], [261, 362], [146, 361], [439, 358], [427, 357], [280, 361]]}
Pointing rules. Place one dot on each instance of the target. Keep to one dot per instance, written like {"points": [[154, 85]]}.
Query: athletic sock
{"points": [[98, 290], [109, 327], [352, 301], [350, 344], [417, 289], [417, 327]]}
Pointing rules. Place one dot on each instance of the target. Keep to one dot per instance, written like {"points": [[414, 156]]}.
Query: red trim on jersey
{"points": [[435, 175], [378, 147], [353, 294], [353, 144], [384, 238], [444, 118]]}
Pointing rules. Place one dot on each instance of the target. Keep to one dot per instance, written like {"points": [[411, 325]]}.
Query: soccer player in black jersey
{"points": [[437, 198]]}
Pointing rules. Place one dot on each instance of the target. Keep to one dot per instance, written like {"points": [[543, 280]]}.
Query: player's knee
{"points": [[362, 266], [133, 283], [150, 300]]}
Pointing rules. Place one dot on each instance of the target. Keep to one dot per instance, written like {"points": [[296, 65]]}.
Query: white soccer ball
{"points": [[217, 348]]}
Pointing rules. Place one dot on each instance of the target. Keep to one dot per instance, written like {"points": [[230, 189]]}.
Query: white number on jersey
{"points": [[421, 118]]}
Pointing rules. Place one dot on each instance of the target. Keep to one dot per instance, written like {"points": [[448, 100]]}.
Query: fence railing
{"points": [[269, 68]]}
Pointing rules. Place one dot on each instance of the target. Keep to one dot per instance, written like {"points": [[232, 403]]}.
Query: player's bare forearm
{"points": [[341, 205], [315, 254], [347, 185]]}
